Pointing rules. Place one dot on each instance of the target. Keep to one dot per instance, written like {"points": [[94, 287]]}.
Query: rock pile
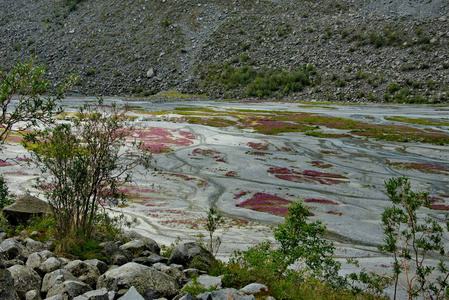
{"points": [[135, 270]]}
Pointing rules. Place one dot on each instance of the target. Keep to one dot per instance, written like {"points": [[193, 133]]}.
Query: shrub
{"points": [[411, 240], [86, 162]]}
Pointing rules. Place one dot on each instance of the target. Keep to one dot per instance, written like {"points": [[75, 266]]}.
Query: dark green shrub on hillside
{"points": [[265, 82]]}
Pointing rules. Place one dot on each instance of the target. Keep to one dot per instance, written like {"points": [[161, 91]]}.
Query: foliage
{"points": [[73, 4], [264, 82], [84, 163], [302, 240], [4, 193], [194, 288], [411, 241], [21, 100], [213, 221]]}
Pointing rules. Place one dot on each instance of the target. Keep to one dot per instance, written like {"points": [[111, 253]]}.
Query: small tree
{"points": [[411, 240], [213, 221], [303, 240], [86, 161], [22, 103]]}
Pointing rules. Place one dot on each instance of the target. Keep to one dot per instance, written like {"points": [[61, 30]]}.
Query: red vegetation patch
{"points": [[331, 212], [422, 167], [439, 207], [258, 146], [160, 140], [267, 203], [322, 201], [321, 164], [207, 153], [307, 176], [4, 163]]}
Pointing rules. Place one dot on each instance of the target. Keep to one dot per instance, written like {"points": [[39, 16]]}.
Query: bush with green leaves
{"points": [[22, 101], [83, 163], [4, 193], [298, 264], [411, 240]]}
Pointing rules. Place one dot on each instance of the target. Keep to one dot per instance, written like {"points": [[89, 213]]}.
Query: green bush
{"points": [[4, 193]]}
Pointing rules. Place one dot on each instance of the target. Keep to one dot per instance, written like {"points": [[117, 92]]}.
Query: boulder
{"points": [[49, 265], [150, 243], [101, 294], [132, 294], [33, 295], [56, 277], [208, 282], [192, 254], [25, 279], [147, 280], [11, 249], [7, 291], [100, 265], [85, 272], [151, 259], [36, 259], [225, 294], [254, 288], [23, 209], [69, 289], [32, 246]]}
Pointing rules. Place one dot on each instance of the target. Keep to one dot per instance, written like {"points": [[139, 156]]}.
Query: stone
{"points": [[33, 295], [36, 259], [146, 280], [7, 291], [32, 246], [150, 73], [49, 265], [254, 288], [23, 209], [187, 253], [57, 297], [225, 294], [87, 273], [132, 294], [150, 243], [100, 294], [25, 279], [54, 278], [11, 248], [69, 289], [190, 273], [100, 265], [207, 282]]}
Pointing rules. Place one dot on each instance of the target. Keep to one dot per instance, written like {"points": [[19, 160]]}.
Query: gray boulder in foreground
{"points": [[25, 279], [7, 291], [147, 280], [188, 253], [69, 289]]}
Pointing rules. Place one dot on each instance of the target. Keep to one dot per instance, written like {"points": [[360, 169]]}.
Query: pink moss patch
{"points": [[258, 146], [200, 153], [322, 201], [267, 203], [307, 176], [160, 140], [439, 207], [321, 164], [4, 163], [422, 167], [231, 174]]}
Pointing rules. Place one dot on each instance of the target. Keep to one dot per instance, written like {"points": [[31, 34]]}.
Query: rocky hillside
{"points": [[356, 50]]}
